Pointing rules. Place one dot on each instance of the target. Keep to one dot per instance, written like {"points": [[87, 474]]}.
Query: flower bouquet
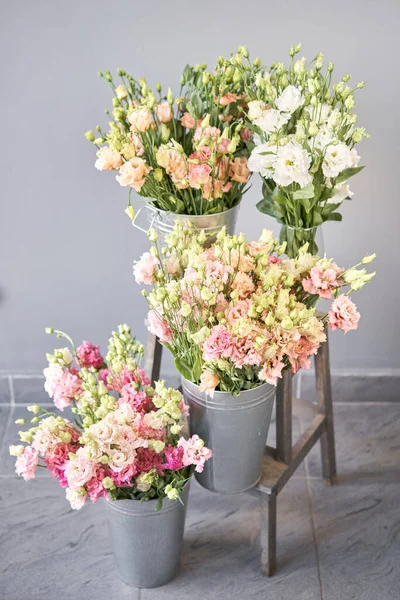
{"points": [[124, 445], [304, 146], [234, 314], [188, 154]]}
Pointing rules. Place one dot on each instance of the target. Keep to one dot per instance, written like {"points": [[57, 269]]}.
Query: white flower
{"points": [[355, 158], [334, 119], [337, 158], [271, 120], [290, 99], [77, 498], [323, 138], [65, 357], [256, 108], [319, 113], [53, 374], [342, 191], [292, 163], [262, 163]]}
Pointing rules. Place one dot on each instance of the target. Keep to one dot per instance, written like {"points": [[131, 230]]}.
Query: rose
{"points": [[133, 173]]}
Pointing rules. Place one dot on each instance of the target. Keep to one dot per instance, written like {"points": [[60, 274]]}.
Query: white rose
{"points": [[292, 163], [337, 158], [342, 191], [262, 163], [271, 120], [256, 108], [290, 99]]}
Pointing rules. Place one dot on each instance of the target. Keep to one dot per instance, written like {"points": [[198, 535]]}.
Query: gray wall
{"points": [[67, 247]]}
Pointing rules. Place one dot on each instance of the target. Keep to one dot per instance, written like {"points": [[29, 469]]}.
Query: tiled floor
{"points": [[339, 543]]}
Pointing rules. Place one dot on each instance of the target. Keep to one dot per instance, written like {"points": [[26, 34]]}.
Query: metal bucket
{"points": [[147, 544], [235, 428], [164, 221]]}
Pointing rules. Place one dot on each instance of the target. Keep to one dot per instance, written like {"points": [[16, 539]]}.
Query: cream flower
{"points": [[262, 160], [140, 119], [342, 191], [319, 113], [108, 159], [290, 99], [292, 163], [133, 173], [256, 108]]}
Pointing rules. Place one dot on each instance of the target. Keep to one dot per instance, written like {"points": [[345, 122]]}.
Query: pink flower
{"points": [[75, 498], [188, 121], [108, 159], [238, 170], [271, 371], [246, 134], [343, 314], [133, 173], [89, 355], [222, 147], [208, 383], [218, 345], [202, 155], [243, 283], [228, 99], [68, 390], [238, 311], [198, 175], [173, 458], [212, 133], [145, 268], [159, 327], [139, 150], [26, 464], [95, 488], [57, 461], [323, 281], [194, 452], [164, 112], [139, 401]]}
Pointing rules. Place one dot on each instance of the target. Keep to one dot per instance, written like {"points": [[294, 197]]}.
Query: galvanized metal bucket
{"points": [[235, 428], [147, 545], [164, 221]]}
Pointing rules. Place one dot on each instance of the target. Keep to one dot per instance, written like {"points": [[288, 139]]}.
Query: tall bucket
{"points": [[147, 544], [236, 429]]}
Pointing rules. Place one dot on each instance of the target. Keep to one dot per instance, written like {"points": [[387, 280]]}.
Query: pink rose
{"points": [[164, 112], [145, 268], [199, 175], [108, 159], [140, 119], [188, 121], [26, 463], [133, 173], [89, 355], [343, 314]]}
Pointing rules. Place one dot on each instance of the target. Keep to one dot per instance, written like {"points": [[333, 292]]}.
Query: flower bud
{"points": [[170, 96], [158, 174], [158, 86], [368, 259], [108, 483], [115, 102], [257, 62], [346, 78], [165, 133], [89, 135], [152, 235], [16, 450], [206, 77], [33, 408], [25, 436], [330, 67], [313, 129], [130, 211]]}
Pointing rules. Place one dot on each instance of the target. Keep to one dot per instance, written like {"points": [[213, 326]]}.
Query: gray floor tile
{"points": [[5, 412], [30, 391], [355, 389], [367, 442], [222, 552], [4, 391], [50, 552], [7, 462], [358, 533]]}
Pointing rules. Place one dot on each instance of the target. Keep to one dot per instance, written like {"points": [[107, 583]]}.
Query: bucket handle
{"points": [[136, 221]]}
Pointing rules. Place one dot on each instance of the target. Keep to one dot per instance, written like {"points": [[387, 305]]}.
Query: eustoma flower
{"points": [[126, 439]]}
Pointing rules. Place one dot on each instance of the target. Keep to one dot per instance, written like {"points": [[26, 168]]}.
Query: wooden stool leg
{"points": [[324, 396], [152, 362], [284, 417], [268, 534]]}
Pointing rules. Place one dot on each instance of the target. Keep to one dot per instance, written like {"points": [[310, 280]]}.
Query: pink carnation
{"points": [[271, 371], [26, 463], [95, 488], [89, 355], [194, 452], [145, 268], [218, 345], [139, 401], [323, 281], [343, 314], [173, 458], [57, 461], [65, 389]]}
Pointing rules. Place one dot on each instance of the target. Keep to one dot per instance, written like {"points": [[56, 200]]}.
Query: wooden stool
{"points": [[281, 462]]}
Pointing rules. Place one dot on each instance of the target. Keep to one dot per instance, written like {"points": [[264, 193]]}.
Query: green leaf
{"points": [[307, 204], [197, 368], [305, 192], [268, 208], [329, 208], [347, 173], [317, 219], [280, 199], [334, 217], [197, 105], [183, 368]]}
